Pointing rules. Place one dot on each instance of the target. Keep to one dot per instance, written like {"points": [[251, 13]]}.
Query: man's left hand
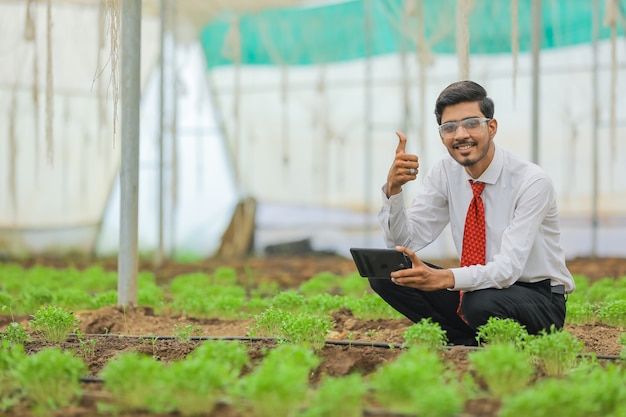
{"points": [[421, 276]]}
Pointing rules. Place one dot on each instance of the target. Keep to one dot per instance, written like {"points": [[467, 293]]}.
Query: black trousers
{"points": [[534, 306]]}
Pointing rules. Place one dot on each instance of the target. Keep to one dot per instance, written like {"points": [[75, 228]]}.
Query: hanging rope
{"points": [[463, 10], [30, 34], [514, 42], [100, 90], [49, 86], [610, 19], [29, 24], [13, 153], [114, 15], [284, 98]]}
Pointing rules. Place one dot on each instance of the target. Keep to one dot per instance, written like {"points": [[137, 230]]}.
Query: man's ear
{"points": [[493, 128]]}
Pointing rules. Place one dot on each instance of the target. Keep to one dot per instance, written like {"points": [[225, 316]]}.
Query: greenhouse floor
{"points": [[355, 345]]}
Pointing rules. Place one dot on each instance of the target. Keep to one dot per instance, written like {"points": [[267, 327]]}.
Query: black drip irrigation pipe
{"points": [[339, 342], [385, 345]]}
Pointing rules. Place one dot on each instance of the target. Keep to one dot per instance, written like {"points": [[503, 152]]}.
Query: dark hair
{"points": [[463, 92]]}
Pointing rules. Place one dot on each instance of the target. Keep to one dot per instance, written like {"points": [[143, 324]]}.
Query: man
{"points": [[516, 269]]}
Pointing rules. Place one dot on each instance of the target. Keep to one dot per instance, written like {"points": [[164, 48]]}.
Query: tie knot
{"points": [[477, 187]]}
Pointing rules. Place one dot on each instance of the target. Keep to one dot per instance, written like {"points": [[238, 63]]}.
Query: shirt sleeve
{"points": [[507, 265], [422, 222]]}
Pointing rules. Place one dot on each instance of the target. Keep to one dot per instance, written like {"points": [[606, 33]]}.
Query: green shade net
{"points": [[357, 29]]}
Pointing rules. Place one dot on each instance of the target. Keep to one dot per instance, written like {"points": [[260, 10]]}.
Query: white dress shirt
{"points": [[522, 222]]}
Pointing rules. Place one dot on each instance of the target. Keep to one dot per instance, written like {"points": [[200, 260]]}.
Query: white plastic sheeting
{"points": [[63, 196], [303, 135], [299, 137], [200, 205]]}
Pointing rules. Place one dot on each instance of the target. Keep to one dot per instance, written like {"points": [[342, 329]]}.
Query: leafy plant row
{"points": [[221, 294], [418, 382]]}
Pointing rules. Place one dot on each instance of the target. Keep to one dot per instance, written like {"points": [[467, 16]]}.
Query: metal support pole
{"points": [[595, 25], [537, 35], [368, 113], [159, 255], [129, 175]]}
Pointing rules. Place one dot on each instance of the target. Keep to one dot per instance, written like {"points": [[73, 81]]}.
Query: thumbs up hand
{"points": [[404, 168]]}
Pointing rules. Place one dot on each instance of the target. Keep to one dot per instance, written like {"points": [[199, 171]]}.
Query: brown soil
{"points": [[354, 345]]}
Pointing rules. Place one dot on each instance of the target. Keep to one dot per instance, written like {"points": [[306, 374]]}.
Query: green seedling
{"points": [[374, 333], [395, 385], [265, 289], [555, 352], [219, 302], [153, 342], [278, 386], [613, 313], [269, 323], [197, 383], [581, 312], [622, 339], [225, 276], [289, 300], [307, 330], [504, 368], [227, 306], [596, 392], [135, 382], [53, 323], [72, 297], [184, 283], [323, 304], [371, 307], [256, 305], [15, 333], [601, 290], [322, 283], [302, 329], [6, 303], [86, 348], [11, 355], [425, 333], [50, 379], [104, 299], [353, 285], [498, 330], [338, 397], [150, 294], [184, 332]]}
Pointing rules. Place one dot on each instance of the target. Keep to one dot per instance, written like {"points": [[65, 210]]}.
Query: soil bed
{"points": [[347, 350]]}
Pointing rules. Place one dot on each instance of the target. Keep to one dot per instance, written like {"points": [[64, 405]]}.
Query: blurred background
{"points": [[268, 126]]}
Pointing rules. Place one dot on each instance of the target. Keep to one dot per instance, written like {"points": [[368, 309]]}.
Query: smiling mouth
{"points": [[464, 146]]}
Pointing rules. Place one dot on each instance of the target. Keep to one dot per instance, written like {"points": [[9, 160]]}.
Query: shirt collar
{"points": [[492, 173]]}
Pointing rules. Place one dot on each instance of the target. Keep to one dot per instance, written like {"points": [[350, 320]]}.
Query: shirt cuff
{"points": [[462, 279], [394, 199]]}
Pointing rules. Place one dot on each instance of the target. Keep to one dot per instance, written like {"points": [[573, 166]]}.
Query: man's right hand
{"points": [[404, 168]]}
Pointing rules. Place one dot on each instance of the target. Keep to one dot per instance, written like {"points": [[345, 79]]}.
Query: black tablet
{"points": [[380, 263]]}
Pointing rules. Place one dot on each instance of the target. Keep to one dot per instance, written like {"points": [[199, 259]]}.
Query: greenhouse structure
{"points": [[267, 122]]}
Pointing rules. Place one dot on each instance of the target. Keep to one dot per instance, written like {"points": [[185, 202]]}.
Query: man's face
{"points": [[471, 147]]}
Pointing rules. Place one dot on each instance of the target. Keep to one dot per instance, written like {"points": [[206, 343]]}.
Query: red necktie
{"points": [[474, 234]]}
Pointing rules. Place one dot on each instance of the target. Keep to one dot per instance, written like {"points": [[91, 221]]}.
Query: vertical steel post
{"points": [[368, 116], [129, 174], [159, 255], [595, 25], [537, 35]]}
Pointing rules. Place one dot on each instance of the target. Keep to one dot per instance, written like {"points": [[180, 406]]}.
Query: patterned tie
{"points": [[474, 234]]}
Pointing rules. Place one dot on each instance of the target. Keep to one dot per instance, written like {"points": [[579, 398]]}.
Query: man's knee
{"points": [[479, 306], [380, 286]]}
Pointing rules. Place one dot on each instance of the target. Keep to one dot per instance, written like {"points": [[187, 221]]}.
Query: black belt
{"points": [[555, 289], [558, 289]]}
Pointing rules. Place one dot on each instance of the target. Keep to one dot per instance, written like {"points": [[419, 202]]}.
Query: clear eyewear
{"points": [[471, 125]]}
